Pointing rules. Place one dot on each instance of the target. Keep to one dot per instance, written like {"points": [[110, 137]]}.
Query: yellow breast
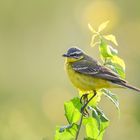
{"points": [[86, 82]]}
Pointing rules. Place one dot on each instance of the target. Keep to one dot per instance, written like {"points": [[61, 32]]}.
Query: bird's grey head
{"points": [[74, 53]]}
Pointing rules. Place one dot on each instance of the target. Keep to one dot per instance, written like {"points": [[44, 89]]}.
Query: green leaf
{"points": [[111, 60], [73, 130], [100, 137], [117, 65], [112, 97], [119, 61], [117, 69], [96, 125], [102, 120], [102, 26], [72, 110], [105, 51], [92, 127], [111, 38], [62, 136], [113, 51], [66, 132], [95, 115]]}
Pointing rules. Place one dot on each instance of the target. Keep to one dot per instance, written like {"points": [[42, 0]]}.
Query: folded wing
{"points": [[94, 69]]}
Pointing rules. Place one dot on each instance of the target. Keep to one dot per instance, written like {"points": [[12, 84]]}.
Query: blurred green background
{"points": [[33, 84]]}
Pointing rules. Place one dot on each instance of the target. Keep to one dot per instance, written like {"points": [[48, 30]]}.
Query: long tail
{"points": [[131, 87], [128, 86]]}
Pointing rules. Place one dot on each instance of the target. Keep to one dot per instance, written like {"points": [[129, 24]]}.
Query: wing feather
{"points": [[94, 69]]}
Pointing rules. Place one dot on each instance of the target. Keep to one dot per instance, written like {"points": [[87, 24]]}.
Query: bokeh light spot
{"points": [[100, 11]]}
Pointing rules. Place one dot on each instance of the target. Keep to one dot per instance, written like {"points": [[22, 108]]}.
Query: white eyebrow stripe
{"points": [[77, 52]]}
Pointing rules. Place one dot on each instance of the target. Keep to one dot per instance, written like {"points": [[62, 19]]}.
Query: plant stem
{"points": [[79, 126], [81, 119]]}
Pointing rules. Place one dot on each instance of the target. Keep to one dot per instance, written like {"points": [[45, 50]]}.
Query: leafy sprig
{"points": [[96, 123]]}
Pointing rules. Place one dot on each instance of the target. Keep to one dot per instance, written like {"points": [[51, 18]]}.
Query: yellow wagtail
{"points": [[87, 74]]}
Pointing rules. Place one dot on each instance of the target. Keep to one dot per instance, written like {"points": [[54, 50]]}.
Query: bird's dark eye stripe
{"points": [[73, 54]]}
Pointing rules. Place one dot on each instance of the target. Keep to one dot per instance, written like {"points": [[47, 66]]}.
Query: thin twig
{"points": [[79, 126], [81, 119]]}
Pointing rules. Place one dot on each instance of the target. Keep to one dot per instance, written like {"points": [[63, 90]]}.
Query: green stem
{"points": [[79, 127]]}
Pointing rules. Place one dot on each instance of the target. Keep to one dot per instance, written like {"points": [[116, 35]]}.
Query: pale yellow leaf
{"points": [[119, 61], [111, 38], [91, 28], [93, 39], [94, 44], [102, 26]]}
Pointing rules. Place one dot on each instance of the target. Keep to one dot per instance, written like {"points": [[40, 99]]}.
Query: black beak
{"points": [[65, 55]]}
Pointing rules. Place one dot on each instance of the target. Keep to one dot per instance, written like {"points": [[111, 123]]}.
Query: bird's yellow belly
{"points": [[86, 82]]}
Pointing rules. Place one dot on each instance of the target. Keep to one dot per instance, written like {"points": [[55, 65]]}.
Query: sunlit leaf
{"points": [[73, 130], [92, 128], [105, 51], [117, 65], [117, 68], [72, 110], [111, 38], [102, 26], [99, 121], [102, 120], [92, 44], [119, 61], [112, 97], [111, 60], [120, 70], [66, 132], [62, 136], [95, 115], [91, 28], [113, 51]]}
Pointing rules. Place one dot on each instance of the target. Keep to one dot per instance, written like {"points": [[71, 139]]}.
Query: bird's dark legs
{"points": [[84, 98], [86, 101]]}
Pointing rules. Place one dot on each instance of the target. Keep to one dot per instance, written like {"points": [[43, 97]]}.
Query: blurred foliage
{"points": [[33, 35]]}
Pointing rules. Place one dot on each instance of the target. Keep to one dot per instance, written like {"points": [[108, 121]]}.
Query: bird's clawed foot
{"points": [[84, 100], [84, 111]]}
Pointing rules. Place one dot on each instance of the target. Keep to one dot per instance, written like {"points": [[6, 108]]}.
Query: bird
{"points": [[87, 74]]}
